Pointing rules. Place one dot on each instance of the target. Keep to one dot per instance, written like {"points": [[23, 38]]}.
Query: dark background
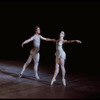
{"points": [[79, 19]]}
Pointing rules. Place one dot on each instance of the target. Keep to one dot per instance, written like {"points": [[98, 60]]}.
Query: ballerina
{"points": [[61, 56]]}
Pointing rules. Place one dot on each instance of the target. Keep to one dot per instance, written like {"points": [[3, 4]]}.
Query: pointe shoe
{"points": [[64, 82], [53, 80], [37, 77], [20, 75]]}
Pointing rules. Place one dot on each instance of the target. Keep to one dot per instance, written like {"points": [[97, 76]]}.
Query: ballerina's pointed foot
{"points": [[53, 80], [37, 77], [64, 82]]}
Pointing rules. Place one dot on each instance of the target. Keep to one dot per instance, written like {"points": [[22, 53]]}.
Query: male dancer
{"points": [[34, 52]]}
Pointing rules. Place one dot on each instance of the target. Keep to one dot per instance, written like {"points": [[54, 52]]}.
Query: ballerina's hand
{"points": [[78, 41], [22, 44]]}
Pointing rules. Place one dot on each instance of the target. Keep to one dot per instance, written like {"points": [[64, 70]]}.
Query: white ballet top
{"points": [[59, 50], [36, 42]]}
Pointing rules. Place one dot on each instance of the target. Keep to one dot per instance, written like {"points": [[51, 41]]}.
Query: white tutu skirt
{"points": [[60, 54]]}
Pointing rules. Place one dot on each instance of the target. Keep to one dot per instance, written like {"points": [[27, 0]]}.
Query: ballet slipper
{"points": [[20, 75], [37, 77], [53, 80], [64, 82]]}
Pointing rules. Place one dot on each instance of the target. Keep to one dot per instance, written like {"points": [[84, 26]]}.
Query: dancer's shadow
{"points": [[45, 82], [8, 73]]}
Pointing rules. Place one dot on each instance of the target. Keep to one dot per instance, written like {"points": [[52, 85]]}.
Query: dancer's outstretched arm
{"points": [[27, 41], [71, 41], [48, 39]]}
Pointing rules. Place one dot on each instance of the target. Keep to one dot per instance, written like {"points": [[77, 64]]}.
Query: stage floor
{"points": [[78, 85]]}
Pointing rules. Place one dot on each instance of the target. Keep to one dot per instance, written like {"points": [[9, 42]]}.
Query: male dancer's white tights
{"points": [[35, 56]]}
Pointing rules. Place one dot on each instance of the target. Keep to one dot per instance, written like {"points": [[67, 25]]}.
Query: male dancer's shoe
{"points": [[20, 75]]}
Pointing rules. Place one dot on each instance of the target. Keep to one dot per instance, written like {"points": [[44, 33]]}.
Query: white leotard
{"points": [[36, 45], [59, 50], [36, 42]]}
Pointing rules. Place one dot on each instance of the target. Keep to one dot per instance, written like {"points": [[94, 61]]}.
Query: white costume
{"points": [[59, 54], [59, 50], [34, 54]]}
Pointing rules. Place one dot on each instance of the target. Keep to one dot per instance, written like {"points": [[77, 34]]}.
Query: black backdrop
{"points": [[79, 19]]}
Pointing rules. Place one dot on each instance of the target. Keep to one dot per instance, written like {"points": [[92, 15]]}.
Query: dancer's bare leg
{"points": [[62, 62], [36, 63], [56, 71], [25, 65]]}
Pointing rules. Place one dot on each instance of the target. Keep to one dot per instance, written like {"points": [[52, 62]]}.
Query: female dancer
{"points": [[61, 56]]}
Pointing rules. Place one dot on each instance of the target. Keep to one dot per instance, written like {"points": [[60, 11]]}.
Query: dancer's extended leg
{"points": [[36, 63], [25, 65], [56, 71], [62, 62]]}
